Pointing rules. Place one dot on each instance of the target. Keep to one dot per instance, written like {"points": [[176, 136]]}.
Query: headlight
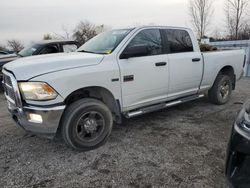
{"points": [[37, 91]]}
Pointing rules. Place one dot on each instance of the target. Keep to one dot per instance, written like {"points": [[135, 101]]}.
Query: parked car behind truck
{"points": [[126, 72], [39, 48], [3, 53]]}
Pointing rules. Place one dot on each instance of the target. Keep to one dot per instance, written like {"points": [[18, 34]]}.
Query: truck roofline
{"points": [[155, 26]]}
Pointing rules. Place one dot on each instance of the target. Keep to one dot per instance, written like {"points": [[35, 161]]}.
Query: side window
{"points": [[49, 49], [69, 48], [150, 38], [179, 41]]}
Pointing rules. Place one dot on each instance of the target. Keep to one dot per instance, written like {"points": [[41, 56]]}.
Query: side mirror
{"points": [[134, 51]]}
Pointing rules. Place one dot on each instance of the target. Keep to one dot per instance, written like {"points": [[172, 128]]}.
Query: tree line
{"points": [[83, 31], [236, 18]]}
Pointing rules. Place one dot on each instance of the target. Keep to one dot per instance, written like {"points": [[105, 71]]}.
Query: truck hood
{"points": [[29, 67]]}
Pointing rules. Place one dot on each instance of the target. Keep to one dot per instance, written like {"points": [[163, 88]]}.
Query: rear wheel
{"points": [[86, 124], [221, 91]]}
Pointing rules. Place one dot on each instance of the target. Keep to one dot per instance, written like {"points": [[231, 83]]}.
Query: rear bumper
{"points": [[50, 118]]}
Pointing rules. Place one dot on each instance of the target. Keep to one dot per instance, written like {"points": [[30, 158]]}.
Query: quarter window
{"points": [[179, 41], [69, 48], [150, 38]]}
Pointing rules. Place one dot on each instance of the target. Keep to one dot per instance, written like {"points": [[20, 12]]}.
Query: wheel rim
{"points": [[224, 90], [90, 126]]}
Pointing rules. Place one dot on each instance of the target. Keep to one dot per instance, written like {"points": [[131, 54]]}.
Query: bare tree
{"points": [[66, 34], [201, 12], [47, 36], [3, 48], [217, 34], [235, 11], [85, 31], [244, 33], [15, 45]]}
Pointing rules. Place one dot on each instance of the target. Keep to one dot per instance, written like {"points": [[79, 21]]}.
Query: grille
{"points": [[8, 88], [7, 80]]}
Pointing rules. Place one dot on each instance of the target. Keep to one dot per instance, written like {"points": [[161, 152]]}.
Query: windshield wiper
{"points": [[91, 52], [86, 51]]}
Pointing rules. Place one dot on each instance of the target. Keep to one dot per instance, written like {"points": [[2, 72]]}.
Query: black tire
{"points": [[77, 131], [216, 94]]}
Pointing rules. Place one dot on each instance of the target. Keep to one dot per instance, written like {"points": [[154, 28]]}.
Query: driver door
{"points": [[144, 77]]}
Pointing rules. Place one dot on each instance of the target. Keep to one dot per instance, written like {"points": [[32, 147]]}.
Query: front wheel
{"points": [[221, 91], [86, 124]]}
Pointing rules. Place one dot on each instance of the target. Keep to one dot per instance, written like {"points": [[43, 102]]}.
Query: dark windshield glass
{"points": [[29, 51], [105, 43]]}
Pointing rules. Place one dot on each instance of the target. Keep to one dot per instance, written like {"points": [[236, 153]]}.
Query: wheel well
{"points": [[101, 94], [228, 70]]}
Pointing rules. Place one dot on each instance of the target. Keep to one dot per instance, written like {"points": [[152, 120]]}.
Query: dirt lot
{"points": [[183, 146]]}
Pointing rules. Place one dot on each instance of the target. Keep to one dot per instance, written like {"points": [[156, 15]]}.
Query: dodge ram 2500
{"points": [[126, 72]]}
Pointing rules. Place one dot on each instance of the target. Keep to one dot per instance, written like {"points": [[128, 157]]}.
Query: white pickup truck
{"points": [[126, 72]]}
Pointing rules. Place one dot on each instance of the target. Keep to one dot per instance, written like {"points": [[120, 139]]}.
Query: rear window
{"points": [[179, 41]]}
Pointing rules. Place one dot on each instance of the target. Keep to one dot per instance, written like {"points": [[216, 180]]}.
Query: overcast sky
{"points": [[28, 20]]}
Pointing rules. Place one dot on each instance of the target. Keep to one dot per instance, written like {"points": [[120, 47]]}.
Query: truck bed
{"points": [[214, 60]]}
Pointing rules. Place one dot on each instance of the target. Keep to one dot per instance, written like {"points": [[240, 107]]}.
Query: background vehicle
{"points": [[3, 60], [238, 156], [49, 47], [3, 53], [43, 47], [120, 72]]}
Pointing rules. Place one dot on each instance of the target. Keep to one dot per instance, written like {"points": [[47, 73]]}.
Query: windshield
{"points": [[29, 51], [104, 43]]}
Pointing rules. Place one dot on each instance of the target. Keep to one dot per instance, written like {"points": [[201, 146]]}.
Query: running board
{"points": [[161, 106]]}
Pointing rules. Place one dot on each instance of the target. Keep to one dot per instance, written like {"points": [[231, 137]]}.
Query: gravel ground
{"points": [[183, 146]]}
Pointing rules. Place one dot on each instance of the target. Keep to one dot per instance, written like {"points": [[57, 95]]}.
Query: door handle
{"points": [[196, 59], [160, 64]]}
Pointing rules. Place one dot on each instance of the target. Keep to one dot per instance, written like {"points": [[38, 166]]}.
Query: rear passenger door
{"points": [[185, 65]]}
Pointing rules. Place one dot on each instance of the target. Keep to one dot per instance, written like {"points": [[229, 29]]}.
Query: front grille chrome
{"points": [[11, 90], [7, 81]]}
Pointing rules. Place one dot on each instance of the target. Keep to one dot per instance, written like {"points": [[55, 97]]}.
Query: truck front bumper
{"points": [[42, 120], [39, 120]]}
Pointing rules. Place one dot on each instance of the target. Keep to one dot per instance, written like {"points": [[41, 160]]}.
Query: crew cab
{"points": [[124, 72]]}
